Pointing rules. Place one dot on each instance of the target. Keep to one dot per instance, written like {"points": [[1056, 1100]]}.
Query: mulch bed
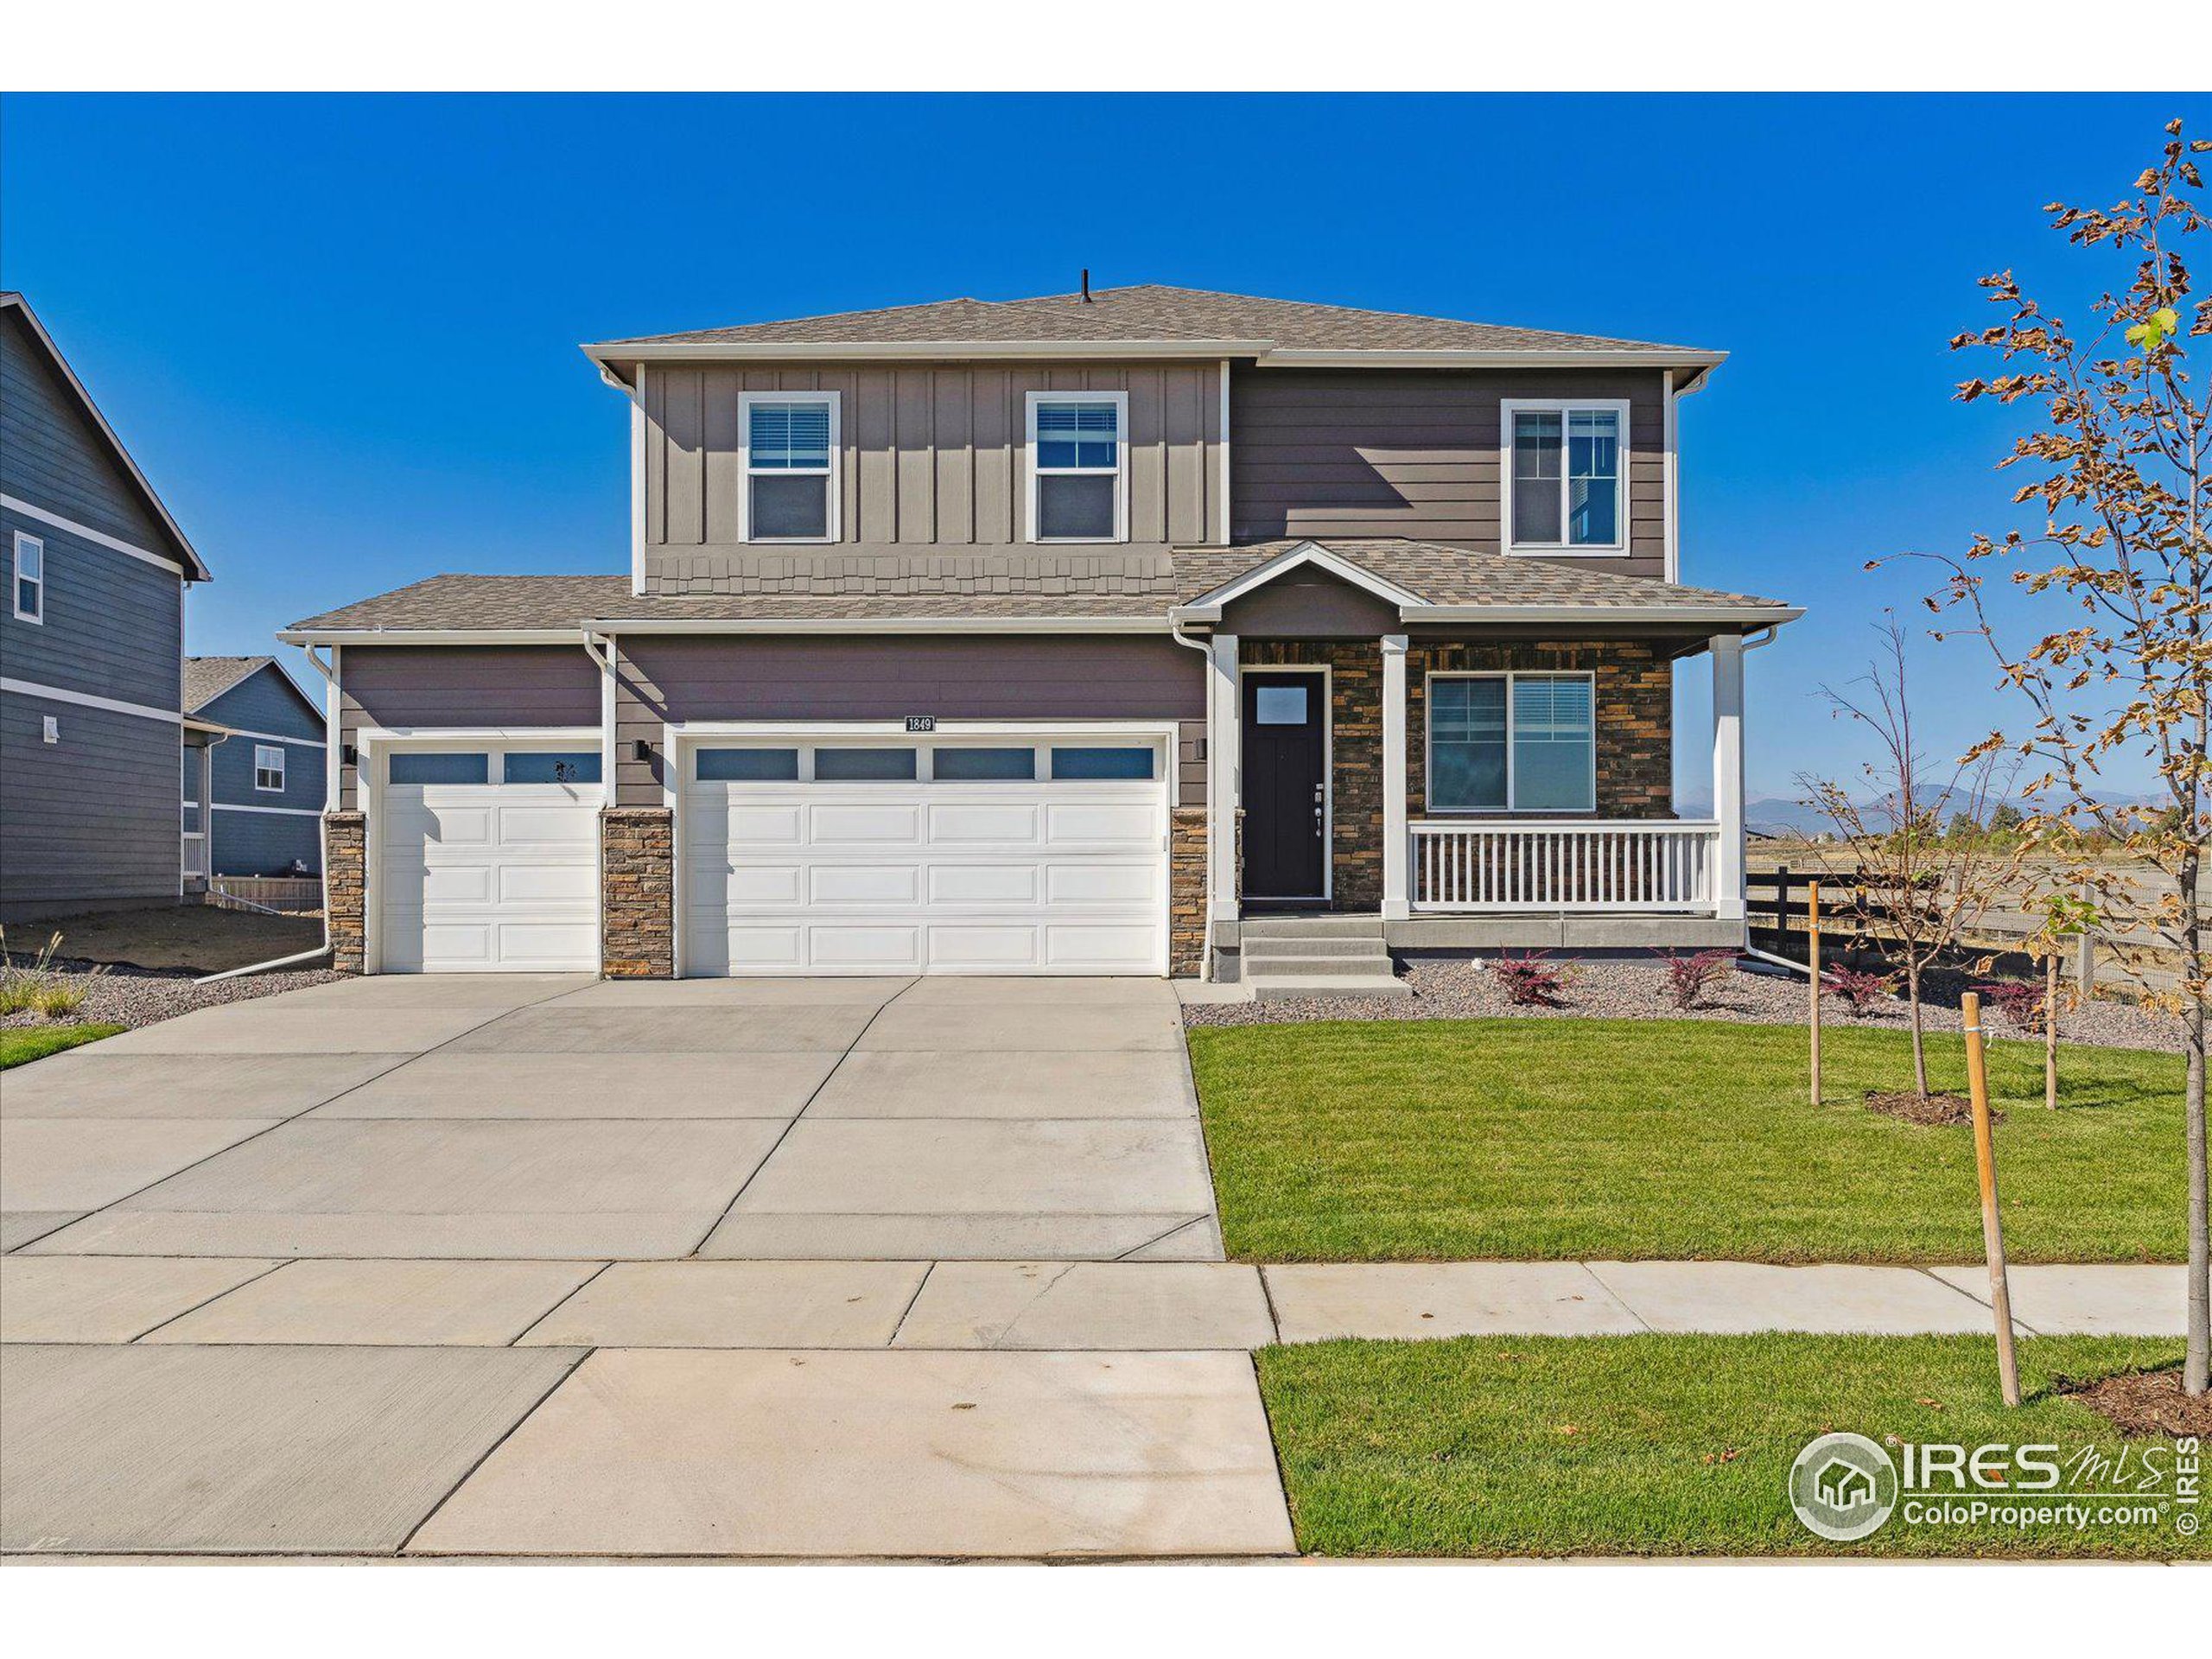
{"points": [[140, 996], [1934, 1110], [2148, 1405], [1637, 988]]}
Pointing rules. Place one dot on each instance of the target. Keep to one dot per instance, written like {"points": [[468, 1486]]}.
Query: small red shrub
{"points": [[2018, 1002], [1689, 979], [1860, 990], [1531, 983]]}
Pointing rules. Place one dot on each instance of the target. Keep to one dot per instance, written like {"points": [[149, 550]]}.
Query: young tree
{"points": [[2113, 472], [1918, 890]]}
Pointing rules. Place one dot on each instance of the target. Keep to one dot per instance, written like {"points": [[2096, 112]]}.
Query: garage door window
{"points": [[864, 765], [1102, 765], [747, 766], [552, 767], [440, 768], [983, 765]]}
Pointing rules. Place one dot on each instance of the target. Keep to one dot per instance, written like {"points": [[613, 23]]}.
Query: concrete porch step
{"points": [[1309, 927], [1267, 988], [1268, 947], [1374, 965]]}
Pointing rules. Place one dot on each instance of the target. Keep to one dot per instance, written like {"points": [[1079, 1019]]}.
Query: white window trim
{"points": [[36, 614], [1562, 407], [1511, 809], [262, 753], [1032, 471], [834, 402]]}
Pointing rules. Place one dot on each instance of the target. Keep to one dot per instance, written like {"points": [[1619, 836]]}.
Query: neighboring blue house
{"points": [[91, 635], [257, 755]]}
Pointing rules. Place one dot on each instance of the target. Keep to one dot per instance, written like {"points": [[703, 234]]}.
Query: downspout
{"points": [[1206, 651], [208, 812]]}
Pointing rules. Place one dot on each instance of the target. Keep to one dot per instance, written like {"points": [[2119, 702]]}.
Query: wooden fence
{"points": [[282, 893]]}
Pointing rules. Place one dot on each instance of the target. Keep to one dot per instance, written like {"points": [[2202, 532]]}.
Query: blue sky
{"points": [[340, 332]]}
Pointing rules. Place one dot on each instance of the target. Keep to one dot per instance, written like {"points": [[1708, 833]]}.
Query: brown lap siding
{"points": [[1635, 707], [1355, 755]]}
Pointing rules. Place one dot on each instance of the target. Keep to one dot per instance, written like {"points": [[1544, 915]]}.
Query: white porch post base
{"points": [[1728, 775], [1397, 852], [1224, 760]]}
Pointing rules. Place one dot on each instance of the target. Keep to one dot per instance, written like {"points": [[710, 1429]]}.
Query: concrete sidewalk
{"points": [[1067, 1306]]}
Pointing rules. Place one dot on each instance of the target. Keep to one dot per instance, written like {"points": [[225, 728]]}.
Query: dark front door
{"points": [[1284, 799]]}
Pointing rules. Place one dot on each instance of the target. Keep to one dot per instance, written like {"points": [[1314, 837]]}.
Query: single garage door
{"points": [[944, 857], [490, 860]]}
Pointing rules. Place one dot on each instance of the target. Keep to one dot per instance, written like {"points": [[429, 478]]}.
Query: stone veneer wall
{"points": [[1634, 687], [1186, 890], [1355, 756], [344, 877], [638, 892]]}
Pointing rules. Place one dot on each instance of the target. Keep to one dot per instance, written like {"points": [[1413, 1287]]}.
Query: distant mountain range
{"points": [[1772, 816]]}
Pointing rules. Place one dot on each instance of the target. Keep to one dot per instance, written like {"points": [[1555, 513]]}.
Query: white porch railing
{"points": [[1594, 865]]}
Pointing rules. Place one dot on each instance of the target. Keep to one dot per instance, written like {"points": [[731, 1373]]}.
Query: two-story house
{"points": [[253, 782], [92, 734], [1095, 633]]}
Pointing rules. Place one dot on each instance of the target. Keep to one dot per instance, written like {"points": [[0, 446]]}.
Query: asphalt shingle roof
{"points": [[206, 679], [1002, 588], [1152, 312], [1457, 575]]}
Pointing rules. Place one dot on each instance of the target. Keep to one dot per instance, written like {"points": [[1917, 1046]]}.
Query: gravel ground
{"points": [[1638, 990], [138, 996]]}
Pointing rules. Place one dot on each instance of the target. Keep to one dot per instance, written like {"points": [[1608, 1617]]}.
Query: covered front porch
{"points": [[1486, 763]]}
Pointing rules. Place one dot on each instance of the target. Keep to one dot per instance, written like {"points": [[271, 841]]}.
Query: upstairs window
{"points": [[1076, 448], [1564, 476], [268, 768], [30, 578], [790, 467], [1512, 743]]}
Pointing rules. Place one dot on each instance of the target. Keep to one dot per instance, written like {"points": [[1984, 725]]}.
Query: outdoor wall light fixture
{"points": [[642, 750], [348, 756]]}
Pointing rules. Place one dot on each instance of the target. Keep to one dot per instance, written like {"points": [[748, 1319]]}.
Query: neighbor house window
{"points": [[30, 578], [1512, 743], [1077, 486], [1564, 475], [790, 467], [268, 768]]}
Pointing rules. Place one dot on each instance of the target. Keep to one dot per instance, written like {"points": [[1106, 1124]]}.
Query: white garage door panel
{"points": [[489, 878], [891, 878]]}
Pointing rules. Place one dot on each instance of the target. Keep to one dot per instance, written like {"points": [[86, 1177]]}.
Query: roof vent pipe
{"points": [[1086, 285]]}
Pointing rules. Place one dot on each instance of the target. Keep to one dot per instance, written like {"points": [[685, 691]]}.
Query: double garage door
{"points": [[945, 856], [810, 857]]}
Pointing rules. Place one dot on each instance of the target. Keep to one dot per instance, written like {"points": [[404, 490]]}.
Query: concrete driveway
{"points": [[546, 1117], [549, 1266]]}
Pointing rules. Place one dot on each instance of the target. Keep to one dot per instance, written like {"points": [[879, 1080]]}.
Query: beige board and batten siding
{"points": [[933, 457], [467, 687], [1415, 452], [1040, 678]]}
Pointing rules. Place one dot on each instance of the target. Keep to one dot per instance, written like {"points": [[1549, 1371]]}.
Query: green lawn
{"points": [[21, 1045], [1650, 1445], [1362, 1141]]}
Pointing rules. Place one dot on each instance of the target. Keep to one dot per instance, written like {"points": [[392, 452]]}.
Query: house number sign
{"points": [[921, 722]]}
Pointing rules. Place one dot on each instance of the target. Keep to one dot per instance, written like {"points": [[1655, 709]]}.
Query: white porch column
{"points": [[1728, 773], [1396, 851], [1224, 750]]}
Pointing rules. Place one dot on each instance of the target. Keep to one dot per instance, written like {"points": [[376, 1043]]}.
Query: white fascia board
{"points": [[1160, 624], [1751, 616], [1518, 358], [515, 735], [694, 731], [432, 636], [208, 727], [612, 356], [1207, 607]]}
